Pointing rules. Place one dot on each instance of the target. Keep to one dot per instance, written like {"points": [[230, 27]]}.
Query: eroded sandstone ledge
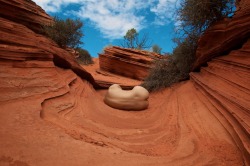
{"points": [[21, 45], [224, 36], [50, 114], [127, 62]]}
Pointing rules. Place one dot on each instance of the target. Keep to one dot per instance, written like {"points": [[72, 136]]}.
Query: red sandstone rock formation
{"points": [[127, 62], [106, 79], [73, 52], [226, 85], [22, 47], [24, 12], [225, 35], [50, 115]]}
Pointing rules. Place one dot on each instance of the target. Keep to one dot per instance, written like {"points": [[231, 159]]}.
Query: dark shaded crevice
{"points": [[63, 63], [235, 44]]}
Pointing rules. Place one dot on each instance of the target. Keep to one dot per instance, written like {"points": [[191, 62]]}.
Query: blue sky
{"points": [[107, 21]]}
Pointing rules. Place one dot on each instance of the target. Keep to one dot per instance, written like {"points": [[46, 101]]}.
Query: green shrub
{"points": [[164, 74], [65, 32], [184, 55], [195, 17], [157, 49], [84, 57]]}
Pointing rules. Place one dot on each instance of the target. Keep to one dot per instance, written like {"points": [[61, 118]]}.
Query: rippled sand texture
{"points": [[201, 121], [51, 113]]}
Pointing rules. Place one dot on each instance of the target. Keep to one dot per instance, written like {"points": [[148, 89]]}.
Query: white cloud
{"points": [[114, 17], [165, 11], [54, 5]]}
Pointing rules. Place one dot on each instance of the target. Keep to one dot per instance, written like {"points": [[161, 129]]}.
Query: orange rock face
{"points": [[24, 12], [225, 35], [50, 114], [22, 47], [226, 84], [127, 62], [105, 79]]}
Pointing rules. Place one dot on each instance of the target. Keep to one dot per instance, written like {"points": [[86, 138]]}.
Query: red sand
{"points": [[50, 114], [72, 126]]}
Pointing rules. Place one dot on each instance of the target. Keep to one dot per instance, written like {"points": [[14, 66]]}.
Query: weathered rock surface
{"points": [[24, 12], [127, 62], [225, 35], [22, 47], [105, 79], [226, 85], [50, 114]]}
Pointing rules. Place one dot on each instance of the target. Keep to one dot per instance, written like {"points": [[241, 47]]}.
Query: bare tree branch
{"points": [[133, 40]]}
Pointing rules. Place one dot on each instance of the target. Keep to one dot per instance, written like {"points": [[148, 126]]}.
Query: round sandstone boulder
{"points": [[135, 99]]}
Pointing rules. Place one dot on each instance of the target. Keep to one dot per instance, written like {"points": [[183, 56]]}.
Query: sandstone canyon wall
{"points": [[125, 62], [50, 114], [225, 35], [22, 45], [105, 79]]}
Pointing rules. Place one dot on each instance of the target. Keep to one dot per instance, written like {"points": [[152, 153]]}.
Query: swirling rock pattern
{"points": [[225, 35], [50, 113]]}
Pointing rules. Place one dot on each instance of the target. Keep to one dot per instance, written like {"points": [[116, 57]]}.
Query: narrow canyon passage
{"points": [[51, 112], [182, 122], [177, 125], [60, 118]]}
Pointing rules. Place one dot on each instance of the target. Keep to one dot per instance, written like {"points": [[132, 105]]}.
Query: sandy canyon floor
{"points": [[73, 126]]}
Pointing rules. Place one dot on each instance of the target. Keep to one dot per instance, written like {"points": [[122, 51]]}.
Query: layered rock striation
{"points": [[225, 35], [50, 114], [26, 13], [105, 79], [225, 83], [127, 62], [21, 45]]}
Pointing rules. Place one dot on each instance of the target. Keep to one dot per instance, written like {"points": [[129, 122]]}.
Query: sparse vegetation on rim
{"points": [[195, 17], [66, 33], [84, 57], [164, 74], [157, 49]]}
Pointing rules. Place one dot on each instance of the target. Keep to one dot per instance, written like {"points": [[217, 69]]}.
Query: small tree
{"points": [[132, 40], [196, 16], [156, 49], [84, 57], [65, 32]]}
